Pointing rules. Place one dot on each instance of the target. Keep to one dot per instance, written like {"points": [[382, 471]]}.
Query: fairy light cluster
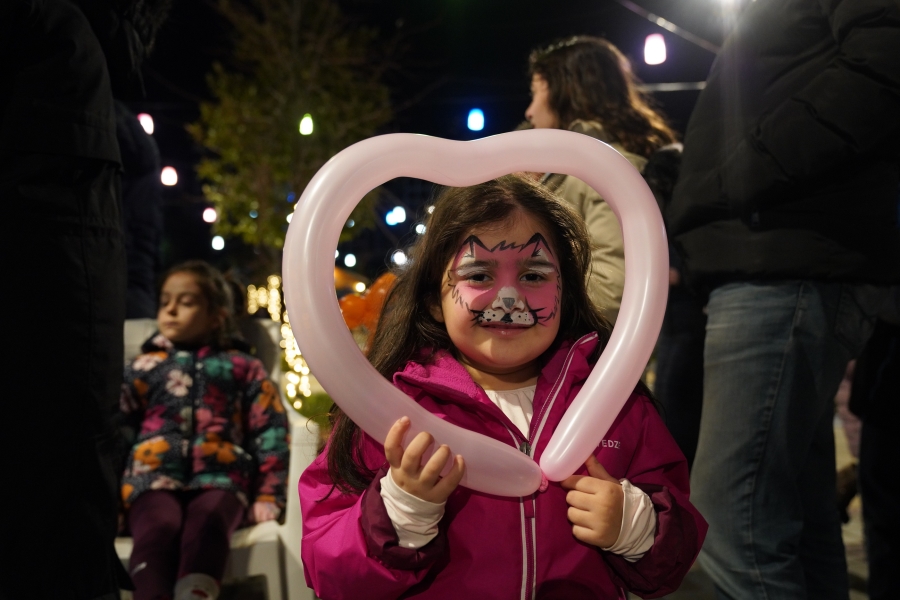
{"points": [[274, 304], [268, 297], [296, 382]]}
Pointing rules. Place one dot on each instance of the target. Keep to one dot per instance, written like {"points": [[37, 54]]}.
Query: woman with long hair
{"points": [[585, 84]]}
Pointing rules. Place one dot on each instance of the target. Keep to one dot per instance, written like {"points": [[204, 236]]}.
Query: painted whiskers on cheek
{"points": [[455, 294], [557, 297]]}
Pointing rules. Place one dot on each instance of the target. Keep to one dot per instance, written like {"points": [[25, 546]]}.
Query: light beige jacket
{"points": [[607, 276]]}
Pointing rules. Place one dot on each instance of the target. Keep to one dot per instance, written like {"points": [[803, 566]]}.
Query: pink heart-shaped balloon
{"points": [[373, 402]]}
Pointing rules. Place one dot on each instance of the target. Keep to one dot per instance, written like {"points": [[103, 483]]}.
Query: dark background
{"points": [[461, 54]]}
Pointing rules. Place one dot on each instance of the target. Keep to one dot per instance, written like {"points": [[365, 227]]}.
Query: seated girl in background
{"points": [[489, 324], [211, 440]]}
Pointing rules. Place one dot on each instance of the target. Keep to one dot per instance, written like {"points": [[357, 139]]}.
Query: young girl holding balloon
{"points": [[490, 327]]}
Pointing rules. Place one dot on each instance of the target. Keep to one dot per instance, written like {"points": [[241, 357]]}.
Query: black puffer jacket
{"points": [[790, 167]]}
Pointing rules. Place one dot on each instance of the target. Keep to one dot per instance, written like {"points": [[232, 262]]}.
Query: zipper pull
{"points": [[525, 448]]}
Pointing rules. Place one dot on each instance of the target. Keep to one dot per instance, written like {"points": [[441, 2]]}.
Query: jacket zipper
{"points": [[527, 505], [541, 419], [529, 522], [526, 512], [191, 433]]}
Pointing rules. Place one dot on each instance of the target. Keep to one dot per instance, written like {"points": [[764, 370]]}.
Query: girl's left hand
{"points": [[263, 511], [596, 504]]}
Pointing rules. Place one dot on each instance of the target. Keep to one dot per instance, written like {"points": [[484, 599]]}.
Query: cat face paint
{"points": [[500, 300], [509, 284]]}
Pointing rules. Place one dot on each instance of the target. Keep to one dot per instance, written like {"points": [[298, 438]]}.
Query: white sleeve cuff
{"points": [[415, 520], [638, 524]]}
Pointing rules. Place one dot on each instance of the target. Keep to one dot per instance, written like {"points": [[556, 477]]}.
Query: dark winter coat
{"points": [[790, 167], [142, 213], [498, 547], [61, 238], [204, 418]]}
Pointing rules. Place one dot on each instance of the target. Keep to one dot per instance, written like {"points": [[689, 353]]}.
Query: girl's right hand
{"points": [[408, 472]]}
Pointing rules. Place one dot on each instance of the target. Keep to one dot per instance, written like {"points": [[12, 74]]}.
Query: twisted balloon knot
{"points": [[544, 483]]}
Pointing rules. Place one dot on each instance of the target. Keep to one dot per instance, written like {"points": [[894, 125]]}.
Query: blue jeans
{"points": [[679, 369], [764, 474]]}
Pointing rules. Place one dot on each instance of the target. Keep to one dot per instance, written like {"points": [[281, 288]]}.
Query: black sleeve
{"points": [[849, 110]]}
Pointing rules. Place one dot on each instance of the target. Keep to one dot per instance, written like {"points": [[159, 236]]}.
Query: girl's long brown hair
{"points": [[590, 79], [407, 327]]}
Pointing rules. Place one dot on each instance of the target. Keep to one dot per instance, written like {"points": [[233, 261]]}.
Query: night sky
{"points": [[462, 54]]}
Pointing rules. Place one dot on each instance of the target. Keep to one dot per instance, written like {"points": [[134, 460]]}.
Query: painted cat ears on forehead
{"points": [[537, 240]]}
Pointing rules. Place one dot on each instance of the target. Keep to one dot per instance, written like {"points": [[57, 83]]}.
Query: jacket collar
{"points": [[444, 377], [159, 343]]}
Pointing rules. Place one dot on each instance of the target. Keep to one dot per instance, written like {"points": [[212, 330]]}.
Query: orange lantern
{"points": [[353, 309], [375, 297]]}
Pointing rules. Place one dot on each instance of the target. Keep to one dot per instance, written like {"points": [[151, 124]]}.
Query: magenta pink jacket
{"points": [[498, 547]]}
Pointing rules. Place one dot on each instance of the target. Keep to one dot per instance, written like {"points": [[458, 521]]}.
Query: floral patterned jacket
{"points": [[202, 418]]}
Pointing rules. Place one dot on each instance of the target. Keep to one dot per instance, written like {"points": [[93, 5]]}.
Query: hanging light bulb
{"points": [[306, 124], [475, 122], [146, 122], [169, 176], [655, 49]]}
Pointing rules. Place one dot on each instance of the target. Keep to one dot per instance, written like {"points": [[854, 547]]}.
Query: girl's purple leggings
{"points": [[177, 533]]}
